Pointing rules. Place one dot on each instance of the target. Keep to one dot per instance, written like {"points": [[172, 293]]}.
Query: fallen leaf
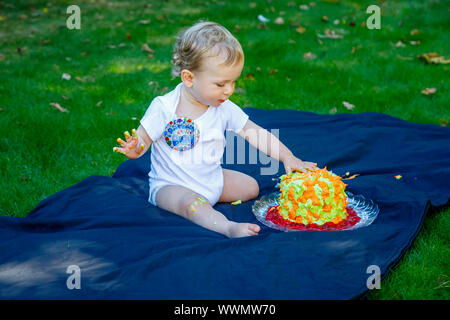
{"points": [[144, 21], [250, 77], [57, 106], [128, 36], [309, 56], [324, 19], [263, 19], [98, 103], [84, 54], [300, 29], [398, 177], [303, 7], [414, 32], [64, 97], [111, 46], [400, 44], [414, 43], [433, 57], [330, 34], [44, 42], [279, 20], [336, 22], [352, 23], [356, 48], [333, 110], [146, 48], [349, 106], [66, 76], [80, 79], [428, 91], [135, 118], [272, 71]]}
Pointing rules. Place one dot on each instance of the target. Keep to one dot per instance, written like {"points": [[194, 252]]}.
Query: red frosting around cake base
{"points": [[274, 217]]}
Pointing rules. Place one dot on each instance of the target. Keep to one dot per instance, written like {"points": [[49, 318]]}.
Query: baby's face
{"points": [[215, 82]]}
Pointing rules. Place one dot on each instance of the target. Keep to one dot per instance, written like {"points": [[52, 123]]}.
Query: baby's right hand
{"points": [[130, 147]]}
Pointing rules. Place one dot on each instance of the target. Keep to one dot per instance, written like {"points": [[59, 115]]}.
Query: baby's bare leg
{"points": [[194, 207]]}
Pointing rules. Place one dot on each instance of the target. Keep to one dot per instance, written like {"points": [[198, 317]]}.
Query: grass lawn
{"points": [[44, 150]]}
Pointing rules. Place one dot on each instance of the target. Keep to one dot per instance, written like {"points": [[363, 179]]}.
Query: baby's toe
{"points": [[254, 228]]}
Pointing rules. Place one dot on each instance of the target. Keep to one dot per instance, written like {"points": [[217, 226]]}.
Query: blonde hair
{"points": [[202, 40]]}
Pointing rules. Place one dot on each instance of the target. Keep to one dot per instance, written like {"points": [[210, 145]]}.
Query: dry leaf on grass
{"points": [[144, 21], [309, 56], [348, 105], [146, 48], [356, 48], [400, 44], [57, 106], [333, 110], [428, 91], [300, 29], [279, 20], [330, 34], [66, 76], [433, 57], [263, 19]]}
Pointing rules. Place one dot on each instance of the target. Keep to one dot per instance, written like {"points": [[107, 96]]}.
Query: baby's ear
{"points": [[187, 77]]}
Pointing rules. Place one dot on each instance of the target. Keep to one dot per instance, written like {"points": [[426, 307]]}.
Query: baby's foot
{"points": [[236, 230]]}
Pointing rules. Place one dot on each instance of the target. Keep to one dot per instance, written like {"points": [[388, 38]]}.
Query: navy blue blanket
{"points": [[126, 248]]}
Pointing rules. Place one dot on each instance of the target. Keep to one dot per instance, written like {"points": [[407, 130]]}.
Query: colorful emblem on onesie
{"points": [[181, 134]]}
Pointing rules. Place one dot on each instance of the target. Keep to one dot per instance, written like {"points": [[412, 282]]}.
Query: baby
{"points": [[186, 130]]}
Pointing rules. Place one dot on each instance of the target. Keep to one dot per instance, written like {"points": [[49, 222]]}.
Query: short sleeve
{"points": [[153, 120], [236, 118]]}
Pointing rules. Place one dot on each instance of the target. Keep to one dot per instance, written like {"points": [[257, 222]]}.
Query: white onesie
{"points": [[188, 152]]}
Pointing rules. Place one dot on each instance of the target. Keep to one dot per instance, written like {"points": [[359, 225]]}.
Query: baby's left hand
{"points": [[294, 163]]}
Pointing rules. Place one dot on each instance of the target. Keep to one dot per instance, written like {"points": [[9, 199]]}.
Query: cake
{"points": [[315, 197]]}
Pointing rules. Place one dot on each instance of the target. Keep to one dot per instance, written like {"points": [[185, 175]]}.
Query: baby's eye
{"points": [[219, 85]]}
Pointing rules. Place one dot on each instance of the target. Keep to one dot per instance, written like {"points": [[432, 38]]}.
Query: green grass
{"points": [[43, 151]]}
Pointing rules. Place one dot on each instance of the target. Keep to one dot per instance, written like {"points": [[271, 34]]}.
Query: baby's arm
{"points": [[266, 142], [135, 145]]}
